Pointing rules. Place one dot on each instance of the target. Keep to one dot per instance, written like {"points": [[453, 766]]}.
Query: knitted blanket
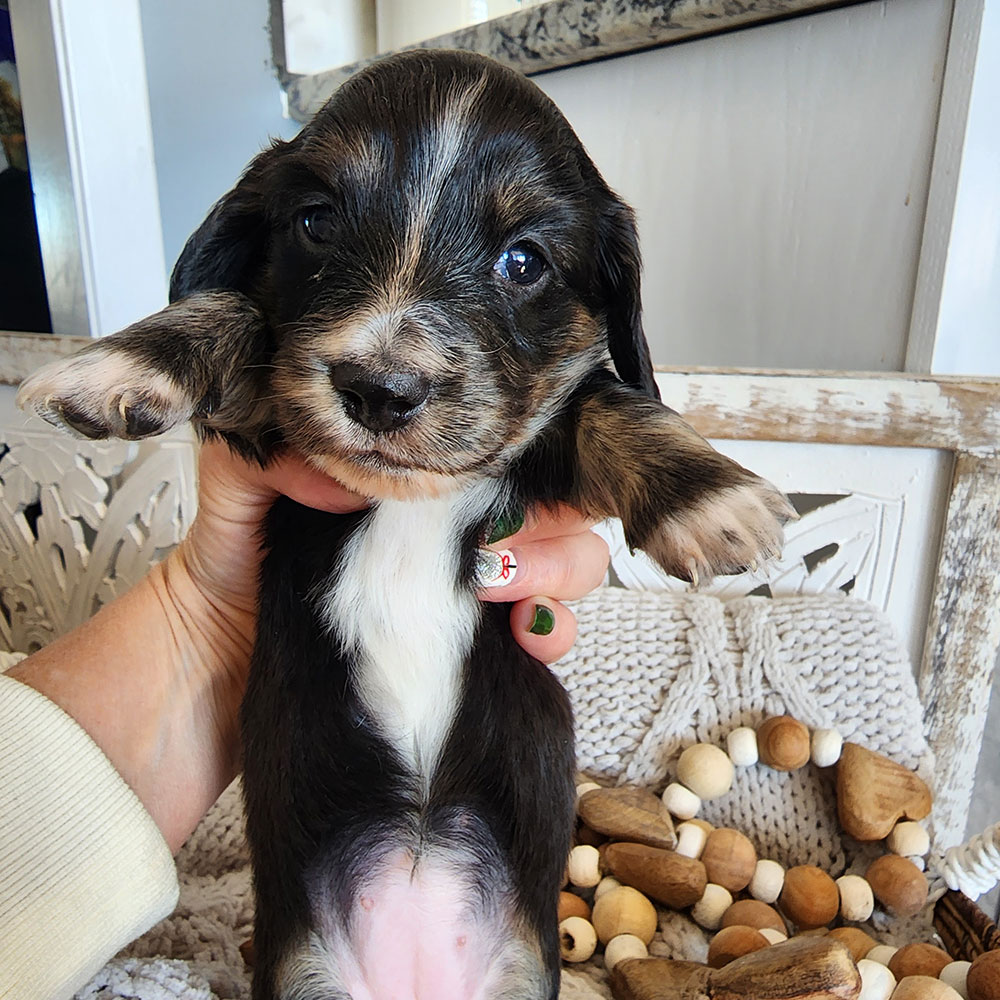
{"points": [[649, 675]]}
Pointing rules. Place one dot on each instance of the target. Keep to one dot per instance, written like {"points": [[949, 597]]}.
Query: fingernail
{"points": [[495, 569], [508, 523], [544, 621]]}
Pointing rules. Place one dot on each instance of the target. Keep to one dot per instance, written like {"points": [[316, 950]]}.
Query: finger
{"points": [[543, 627], [538, 523], [567, 568], [292, 475]]}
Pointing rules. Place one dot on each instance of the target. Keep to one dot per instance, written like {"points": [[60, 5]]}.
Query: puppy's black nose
{"points": [[382, 401]]}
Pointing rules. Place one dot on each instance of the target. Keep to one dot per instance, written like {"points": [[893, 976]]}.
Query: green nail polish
{"points": [[544, 621], [508, 523]]}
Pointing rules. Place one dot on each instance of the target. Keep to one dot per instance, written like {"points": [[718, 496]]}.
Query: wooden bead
{"points": [[606, 884], [983, 982], [706, 770], [856, 899], [923, 988], [783, 743], [584, 866], [708, 911], [809, 897], [755, 914], [898, 885], [680, 801], [908, 839], [691, 838], [773, 936], [956, 974], [882, 953], [587, 835], [584, 787], [918, 960], [577, 939], [665, 876], [729, 859], [826, 747], [877, 982], [733, 942], [624, 911], [571, 905], [628, 813], [622, 947], [768, 879], [742, 746], [857, 942]]}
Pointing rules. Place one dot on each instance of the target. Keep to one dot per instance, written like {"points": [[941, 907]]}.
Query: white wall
{"points": [[780, 176]]}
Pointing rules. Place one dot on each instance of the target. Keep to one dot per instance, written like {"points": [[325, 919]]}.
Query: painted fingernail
{"points": [[544, 621], [495, 569], [508, 523]]}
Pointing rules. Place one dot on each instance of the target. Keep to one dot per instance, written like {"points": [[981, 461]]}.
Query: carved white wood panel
{"points": [[80, 522], [870, 525]]}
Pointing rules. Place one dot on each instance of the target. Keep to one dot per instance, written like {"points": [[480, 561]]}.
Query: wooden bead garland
{"points": [[703, 867]]}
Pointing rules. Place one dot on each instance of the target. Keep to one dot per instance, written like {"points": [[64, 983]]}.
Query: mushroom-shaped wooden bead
{"points": [[606, 884], [577, 939], [729, 859], [680, 801], [955, 975], [856, 899], [706, 770], [691, 838], [753, 913], [773, 936], [708, 911], [783, 743], [734, 942], [624, 911], [826, 747], [882, 953], [584, 866], [809, 897], [742, 746], [857, 942], [877, 982], [898, 885], [571, 905], [623, 946], [768, 879], [921, 959], [908, 839], [923, 988], [983, 981]]}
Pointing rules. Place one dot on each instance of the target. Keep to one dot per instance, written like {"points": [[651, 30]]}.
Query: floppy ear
{"points": [[619, 260]]}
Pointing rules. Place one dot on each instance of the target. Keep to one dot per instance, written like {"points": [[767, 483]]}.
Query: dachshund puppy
{"points": [[433, 295]]}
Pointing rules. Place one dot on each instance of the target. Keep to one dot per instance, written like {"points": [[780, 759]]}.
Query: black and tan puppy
{"points": [[432, 294]]}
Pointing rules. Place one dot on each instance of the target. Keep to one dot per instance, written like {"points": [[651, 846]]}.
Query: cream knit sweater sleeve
{"points": [[83, 868]]}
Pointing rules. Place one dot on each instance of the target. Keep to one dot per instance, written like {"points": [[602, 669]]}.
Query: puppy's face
{"points": [[437, 258]]}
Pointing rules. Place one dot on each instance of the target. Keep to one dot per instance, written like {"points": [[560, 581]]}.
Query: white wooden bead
{"points": [[881, 953], [826, 747], [577, 939], [706, 770], [768, 878], [691, 838], [772, 935], [877, 982], [742, 746], [909, 839], [856, 899], [955, 975], [919, 862], [606, 884], [623, 946], [680, 801], [584, 787], [584, 866], [709, 909]]}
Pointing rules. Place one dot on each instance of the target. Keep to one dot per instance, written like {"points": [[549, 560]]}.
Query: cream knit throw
{"points": [[649, 675]]}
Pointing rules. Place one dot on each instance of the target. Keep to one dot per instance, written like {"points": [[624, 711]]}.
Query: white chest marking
{"points": [[396, 607]]}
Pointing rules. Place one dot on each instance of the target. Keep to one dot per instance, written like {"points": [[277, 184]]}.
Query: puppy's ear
{"points": [[620, 264], [227, 249]]}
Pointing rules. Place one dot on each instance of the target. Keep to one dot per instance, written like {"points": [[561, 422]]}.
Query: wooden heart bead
{"points": [[783, 743], [665, 876], [809, 897], [873, 792], [628, 813], [729, 859], [898, 885]]}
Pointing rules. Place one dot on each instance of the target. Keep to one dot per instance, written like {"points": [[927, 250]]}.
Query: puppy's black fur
{"points": [[424, 292]]}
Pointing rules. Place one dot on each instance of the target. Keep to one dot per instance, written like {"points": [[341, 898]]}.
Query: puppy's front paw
{"points": [[727, 532], [104, 392]]}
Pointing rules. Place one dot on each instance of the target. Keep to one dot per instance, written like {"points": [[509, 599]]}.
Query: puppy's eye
{"points": [[521, 264], [317, 223]]}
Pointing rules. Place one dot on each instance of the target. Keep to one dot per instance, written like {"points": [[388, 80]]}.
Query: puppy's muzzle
{"points": [[380, 401]]}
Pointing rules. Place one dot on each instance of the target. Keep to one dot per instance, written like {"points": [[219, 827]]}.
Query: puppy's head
{"points": [[440, 263]]}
